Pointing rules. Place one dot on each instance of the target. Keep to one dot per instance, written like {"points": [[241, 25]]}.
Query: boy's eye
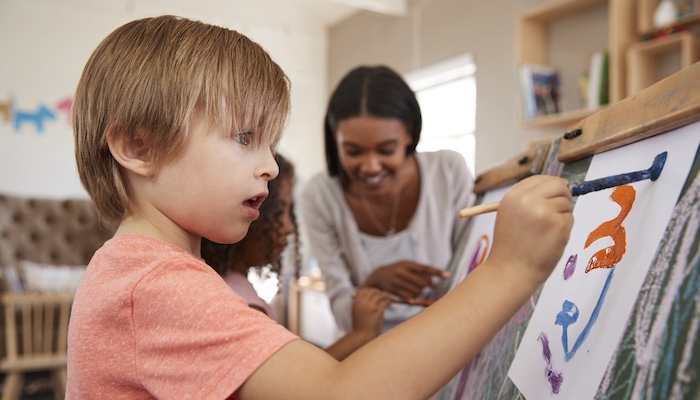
{"points": [[242, 137]]}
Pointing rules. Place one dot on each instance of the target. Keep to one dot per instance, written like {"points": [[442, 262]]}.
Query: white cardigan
{"points": [[446, 187]]}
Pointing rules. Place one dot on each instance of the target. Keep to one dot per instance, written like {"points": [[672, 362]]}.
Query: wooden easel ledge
{"points": [[523, 165], [668, 104]]}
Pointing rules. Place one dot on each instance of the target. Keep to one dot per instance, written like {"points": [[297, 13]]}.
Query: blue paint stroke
{"points": [[555, 378], [570, 266], [569, 314], [622, 179]]}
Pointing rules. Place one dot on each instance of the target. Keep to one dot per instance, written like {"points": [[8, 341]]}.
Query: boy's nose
{"points": [[268, 167]]}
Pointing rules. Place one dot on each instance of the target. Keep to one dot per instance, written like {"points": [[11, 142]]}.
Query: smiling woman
{"points": [[384, 215]]}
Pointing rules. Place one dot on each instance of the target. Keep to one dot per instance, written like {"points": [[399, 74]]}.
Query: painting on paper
{"points": [[583, 309]]}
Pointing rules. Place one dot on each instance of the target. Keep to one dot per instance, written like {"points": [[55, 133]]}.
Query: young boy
{"points": [[175, 122]]}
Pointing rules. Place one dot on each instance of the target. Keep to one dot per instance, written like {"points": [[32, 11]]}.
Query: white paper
{"points": [[478, 244], [538, 376]]}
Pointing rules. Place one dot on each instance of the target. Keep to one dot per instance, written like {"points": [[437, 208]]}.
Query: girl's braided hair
{"points": [[265, 230]]}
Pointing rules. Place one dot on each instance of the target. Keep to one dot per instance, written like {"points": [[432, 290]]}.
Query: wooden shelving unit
{"points": [[678, 41], [645, 58], [645, 17], [533, 38]]}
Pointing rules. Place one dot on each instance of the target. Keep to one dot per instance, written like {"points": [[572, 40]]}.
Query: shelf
{"points": [[532, 27], [645, 59], [645, 16], [562, 119], [534, 41]]}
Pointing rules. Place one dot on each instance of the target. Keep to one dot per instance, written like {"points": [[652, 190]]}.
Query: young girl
{"points": [[175, 123], [263, 246], [383, 215]]}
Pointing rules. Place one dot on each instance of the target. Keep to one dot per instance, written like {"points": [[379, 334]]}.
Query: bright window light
{"points": [[446, 93]]}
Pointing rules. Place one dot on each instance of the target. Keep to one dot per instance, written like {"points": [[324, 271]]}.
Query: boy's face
{"points": [[216, 185]]}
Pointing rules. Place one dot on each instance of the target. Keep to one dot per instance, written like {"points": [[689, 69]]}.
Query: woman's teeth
{"points": [[374, 179]]}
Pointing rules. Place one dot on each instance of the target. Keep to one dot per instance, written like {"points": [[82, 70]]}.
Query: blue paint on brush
{"points": [[617, 180]]}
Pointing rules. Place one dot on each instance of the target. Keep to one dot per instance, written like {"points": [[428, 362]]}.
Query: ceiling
{"points": [[333, 11], [328, 12]]}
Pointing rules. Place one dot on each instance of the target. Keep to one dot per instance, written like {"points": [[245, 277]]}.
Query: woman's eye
{"points": [[242, 137], [351, 152], [388, 152]]}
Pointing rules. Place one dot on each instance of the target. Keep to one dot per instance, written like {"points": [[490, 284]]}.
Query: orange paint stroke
{"points": [[608, 257]]}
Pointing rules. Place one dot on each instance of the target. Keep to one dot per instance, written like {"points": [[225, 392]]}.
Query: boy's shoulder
{"points": [[126, 262]]}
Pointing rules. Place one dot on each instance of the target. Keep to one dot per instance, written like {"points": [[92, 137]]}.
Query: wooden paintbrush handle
{"points": [[476, 210]]}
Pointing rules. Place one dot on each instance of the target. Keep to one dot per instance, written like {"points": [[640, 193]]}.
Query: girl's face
{"points": [[255, 253], [371, 151]]}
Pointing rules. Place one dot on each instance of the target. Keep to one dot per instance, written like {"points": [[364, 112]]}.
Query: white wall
{"points": [[433, 31], [44, 45]]}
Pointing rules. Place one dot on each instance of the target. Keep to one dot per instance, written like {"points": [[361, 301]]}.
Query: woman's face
{"points": [[371, 151]]}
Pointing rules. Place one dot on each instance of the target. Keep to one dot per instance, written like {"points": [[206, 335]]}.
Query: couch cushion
{"points": [[50, 231]]}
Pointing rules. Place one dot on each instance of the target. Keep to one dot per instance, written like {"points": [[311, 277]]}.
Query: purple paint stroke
{"points": [[464, 376], [474, 262], [555, 378], [570, 267]]}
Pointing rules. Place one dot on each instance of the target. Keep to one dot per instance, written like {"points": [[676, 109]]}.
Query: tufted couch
{"points": [[61, 232], [48, 231]]}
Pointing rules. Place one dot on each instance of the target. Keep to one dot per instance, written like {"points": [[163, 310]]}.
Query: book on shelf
{"points": [[540, 88], [598, 81]]}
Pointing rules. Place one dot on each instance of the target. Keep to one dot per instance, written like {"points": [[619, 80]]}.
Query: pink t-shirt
{"points": [[150, 320]]}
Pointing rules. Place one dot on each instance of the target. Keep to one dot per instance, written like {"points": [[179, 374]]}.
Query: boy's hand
{"points": [[368, 311], [404, 278], [533, 225]]}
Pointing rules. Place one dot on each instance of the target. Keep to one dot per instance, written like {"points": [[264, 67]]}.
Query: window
{"points": [[446, 93]]}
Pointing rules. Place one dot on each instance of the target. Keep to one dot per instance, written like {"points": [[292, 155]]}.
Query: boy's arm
{"points": [[413, 360]]}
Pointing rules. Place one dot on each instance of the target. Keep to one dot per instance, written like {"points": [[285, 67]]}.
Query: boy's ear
{"points": [[132, 154]]}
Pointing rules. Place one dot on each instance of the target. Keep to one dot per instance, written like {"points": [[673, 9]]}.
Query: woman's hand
{"points": [[405, 279]]}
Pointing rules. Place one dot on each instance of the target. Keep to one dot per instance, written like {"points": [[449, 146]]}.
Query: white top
{"points": [[433, 232], [384, 250]]}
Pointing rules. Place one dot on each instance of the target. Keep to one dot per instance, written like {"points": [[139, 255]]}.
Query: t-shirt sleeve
{"points": [[194, 337]]}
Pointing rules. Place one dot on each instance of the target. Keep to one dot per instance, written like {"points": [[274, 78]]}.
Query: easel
{"points": [[669, 104]]}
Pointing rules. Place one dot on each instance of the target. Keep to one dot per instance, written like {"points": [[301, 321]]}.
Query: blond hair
{"points": [[145, 81]]}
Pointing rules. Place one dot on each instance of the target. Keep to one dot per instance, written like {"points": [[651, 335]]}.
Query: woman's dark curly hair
{"points": [[265, 229], [374, 91]]}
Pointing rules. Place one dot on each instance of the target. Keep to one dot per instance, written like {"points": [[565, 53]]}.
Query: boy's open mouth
{"points": [[255, 202]]}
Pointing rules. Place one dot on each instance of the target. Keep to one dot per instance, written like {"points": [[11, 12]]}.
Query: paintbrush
{"points": [[586, 187], [413, 302]]}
